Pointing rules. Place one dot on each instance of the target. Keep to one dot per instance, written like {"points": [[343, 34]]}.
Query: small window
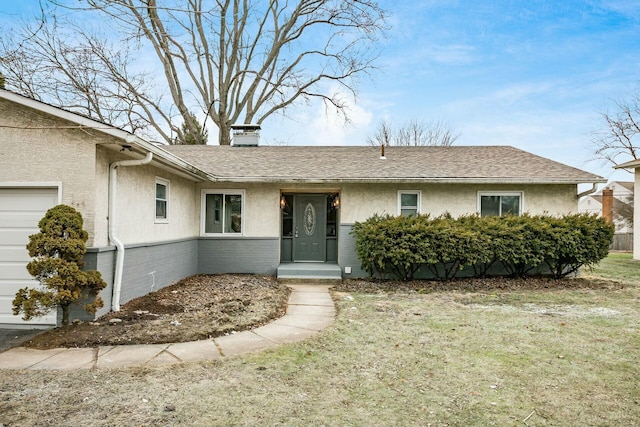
{"points": [[286, 204], [222, 212], [408, 203], [499, 204], [162, 200]]}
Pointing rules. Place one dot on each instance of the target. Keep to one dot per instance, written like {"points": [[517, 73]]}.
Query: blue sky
{"points": [[532, 74]]}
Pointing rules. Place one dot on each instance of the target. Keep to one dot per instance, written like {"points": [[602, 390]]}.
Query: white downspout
{"points": [[113, 179], [586, 193]]}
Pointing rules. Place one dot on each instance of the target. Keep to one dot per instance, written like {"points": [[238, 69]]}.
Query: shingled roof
{"points": [[460, 164]]}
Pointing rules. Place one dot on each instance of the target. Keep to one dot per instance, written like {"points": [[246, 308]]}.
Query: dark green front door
{"points": [[310, 235]]}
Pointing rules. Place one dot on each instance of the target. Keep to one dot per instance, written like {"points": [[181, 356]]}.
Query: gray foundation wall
{"points": [[347, 253], [147, 268], [103, 260], [150, 267], [254, 255]]}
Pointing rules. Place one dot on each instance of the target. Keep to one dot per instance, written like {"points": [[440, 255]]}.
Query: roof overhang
{"points": [[131, 144], [415, 180], [635, 163]]}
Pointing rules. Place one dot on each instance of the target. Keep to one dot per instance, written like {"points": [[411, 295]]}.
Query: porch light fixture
{"points": [[283, 202], [336, 201]]}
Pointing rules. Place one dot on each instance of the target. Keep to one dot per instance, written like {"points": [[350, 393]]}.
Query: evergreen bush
{"points": [[397, 246], [57, 252]]}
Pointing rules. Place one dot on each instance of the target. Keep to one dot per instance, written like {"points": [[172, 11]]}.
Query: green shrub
{"points": [[391, 245], [57, 252], [576, 241], [522, 245]]}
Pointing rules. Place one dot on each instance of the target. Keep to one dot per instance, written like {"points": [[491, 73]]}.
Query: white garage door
{"points": [[20, 211]]}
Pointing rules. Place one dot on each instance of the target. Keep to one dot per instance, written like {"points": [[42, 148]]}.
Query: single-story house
{"points": [[156, 214]]}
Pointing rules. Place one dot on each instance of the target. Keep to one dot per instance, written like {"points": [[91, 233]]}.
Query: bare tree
{"points": [[419, 133], [232, 60], [413, 133], [86, 75], [383, 134], [618, 141]]}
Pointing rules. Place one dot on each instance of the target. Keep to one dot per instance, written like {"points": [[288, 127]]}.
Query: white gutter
{"points": [[422, 180], [113, 179]]}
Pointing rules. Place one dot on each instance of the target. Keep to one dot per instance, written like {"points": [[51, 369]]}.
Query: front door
{"points": [[309, 234]]}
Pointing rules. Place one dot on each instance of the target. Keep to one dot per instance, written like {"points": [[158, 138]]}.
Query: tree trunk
{"points": [[224, 134], [65, 314]]}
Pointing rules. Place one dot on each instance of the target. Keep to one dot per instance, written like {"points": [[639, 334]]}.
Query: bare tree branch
{"points": [[383, 134], [413, 133], [619, 140], [226, 61]]}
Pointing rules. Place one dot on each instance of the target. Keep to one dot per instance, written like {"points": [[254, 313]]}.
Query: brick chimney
{"points": [[607, 204]]}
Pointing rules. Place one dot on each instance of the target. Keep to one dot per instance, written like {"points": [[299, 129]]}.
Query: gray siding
{"points": [[103, 260], [153, 266], [347, 253], [239, 255], [147, 268]]}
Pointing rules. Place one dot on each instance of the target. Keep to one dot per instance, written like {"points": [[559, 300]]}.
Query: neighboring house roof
{"points": [[595, 197], [624, 184], [620, 189], [460, 164]]}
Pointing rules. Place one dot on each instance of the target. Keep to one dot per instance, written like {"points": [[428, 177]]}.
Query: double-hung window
{"points": [[162, 200], [499, 204], [409, 203], [222, 211]]}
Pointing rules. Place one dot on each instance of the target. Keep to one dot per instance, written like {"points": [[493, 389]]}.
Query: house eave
{"points": [[628, 165], [167, 161], [162, 158], [416, 180]]}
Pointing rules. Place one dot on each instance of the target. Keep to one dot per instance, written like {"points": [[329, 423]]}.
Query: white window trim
{"points": [[417, 192], [500, 193], [203, 210], [166, 183]]}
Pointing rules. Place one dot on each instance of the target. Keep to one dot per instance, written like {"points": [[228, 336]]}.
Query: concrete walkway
{"points": [[310, 310]]}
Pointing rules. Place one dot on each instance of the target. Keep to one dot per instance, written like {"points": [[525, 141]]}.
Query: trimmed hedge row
{"points": [[517, 246]]}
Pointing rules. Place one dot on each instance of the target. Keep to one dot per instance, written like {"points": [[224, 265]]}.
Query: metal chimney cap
{"points": [[245, 127]]}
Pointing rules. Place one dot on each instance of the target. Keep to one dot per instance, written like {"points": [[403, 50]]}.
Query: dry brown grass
{"points": [[197, 307], [536, 357]]}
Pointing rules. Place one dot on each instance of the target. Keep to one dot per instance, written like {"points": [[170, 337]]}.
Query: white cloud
{"points": [[320, 124]]}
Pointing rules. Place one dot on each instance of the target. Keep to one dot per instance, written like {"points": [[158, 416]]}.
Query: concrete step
{"points": [[309, 271]]}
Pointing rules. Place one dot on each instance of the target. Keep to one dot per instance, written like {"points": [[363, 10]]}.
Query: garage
{"points": [[20, 211]]}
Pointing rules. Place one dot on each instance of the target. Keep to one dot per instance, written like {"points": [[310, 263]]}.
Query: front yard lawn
{"points": [[530, 357]]}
